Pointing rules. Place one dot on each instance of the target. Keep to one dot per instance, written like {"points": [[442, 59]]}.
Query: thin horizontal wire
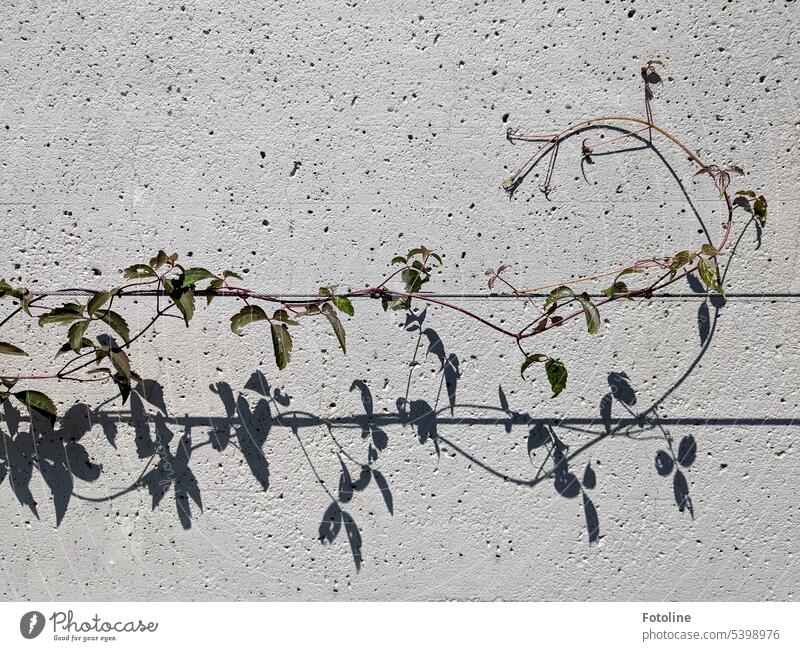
{"points": [[466, 296]]}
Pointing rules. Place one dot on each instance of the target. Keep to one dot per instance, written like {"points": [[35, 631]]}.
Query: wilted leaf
{"points": [[11, 349], [338, 329], [760, 210], [282, 344], [556, 375], [247, 315]]}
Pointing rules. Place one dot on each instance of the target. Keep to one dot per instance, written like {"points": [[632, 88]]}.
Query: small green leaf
{"points": [[97, 301], [556, 375], [38, 401], [325, 291], [123, 383], [681, 259], [75, 334], [159, 259], [558, 294], [760, 209], [591, 312], [116, 322], [121, 362], [709, 275], [398, 259], [182, 297], [231, 274], [85, 343], [195, 275], [532, 359], [344, 305], [338, 329], [283, 316], [412, 279], [247, 315], [11, 349], [746, 193], [709, 249], [282, 344], [213, 285], [139, 271], [67, 313], [617, 288]]}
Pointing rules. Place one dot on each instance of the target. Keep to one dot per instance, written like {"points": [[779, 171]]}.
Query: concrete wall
{"points": [[309, 142]]}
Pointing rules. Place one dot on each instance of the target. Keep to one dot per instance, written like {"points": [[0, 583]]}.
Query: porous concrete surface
{"points": [[309, 142]]}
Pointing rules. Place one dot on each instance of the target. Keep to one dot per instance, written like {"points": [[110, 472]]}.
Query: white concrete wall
{"points": [[177, 125]]}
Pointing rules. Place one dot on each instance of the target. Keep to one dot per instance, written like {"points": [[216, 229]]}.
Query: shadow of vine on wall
{"points": [[166, 444]]}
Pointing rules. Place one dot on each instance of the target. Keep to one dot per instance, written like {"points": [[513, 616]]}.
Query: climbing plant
{"points": [[94, 341]]}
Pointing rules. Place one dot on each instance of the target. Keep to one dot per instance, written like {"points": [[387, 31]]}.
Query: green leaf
{"points": [[746, 193], [617, 288], [231, 274], [558, 294], [116, 322], [11, 349], [344, 305], [195, 275], [139, 271], [123, 383], [325, 291], [282, 344], [591, 312], [67, 313], [97, 301], [247, 315], [709, 250], [532, 359], [338, 329], [121, 362], [182, 297], [159, 259], [681, 259], [760, 209], [213, 285], [85, 343], [398, 259], [629, 270], [75, 334], [38, 401], [283, 316], [556, 375], [412, 279], [708, 275]]}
